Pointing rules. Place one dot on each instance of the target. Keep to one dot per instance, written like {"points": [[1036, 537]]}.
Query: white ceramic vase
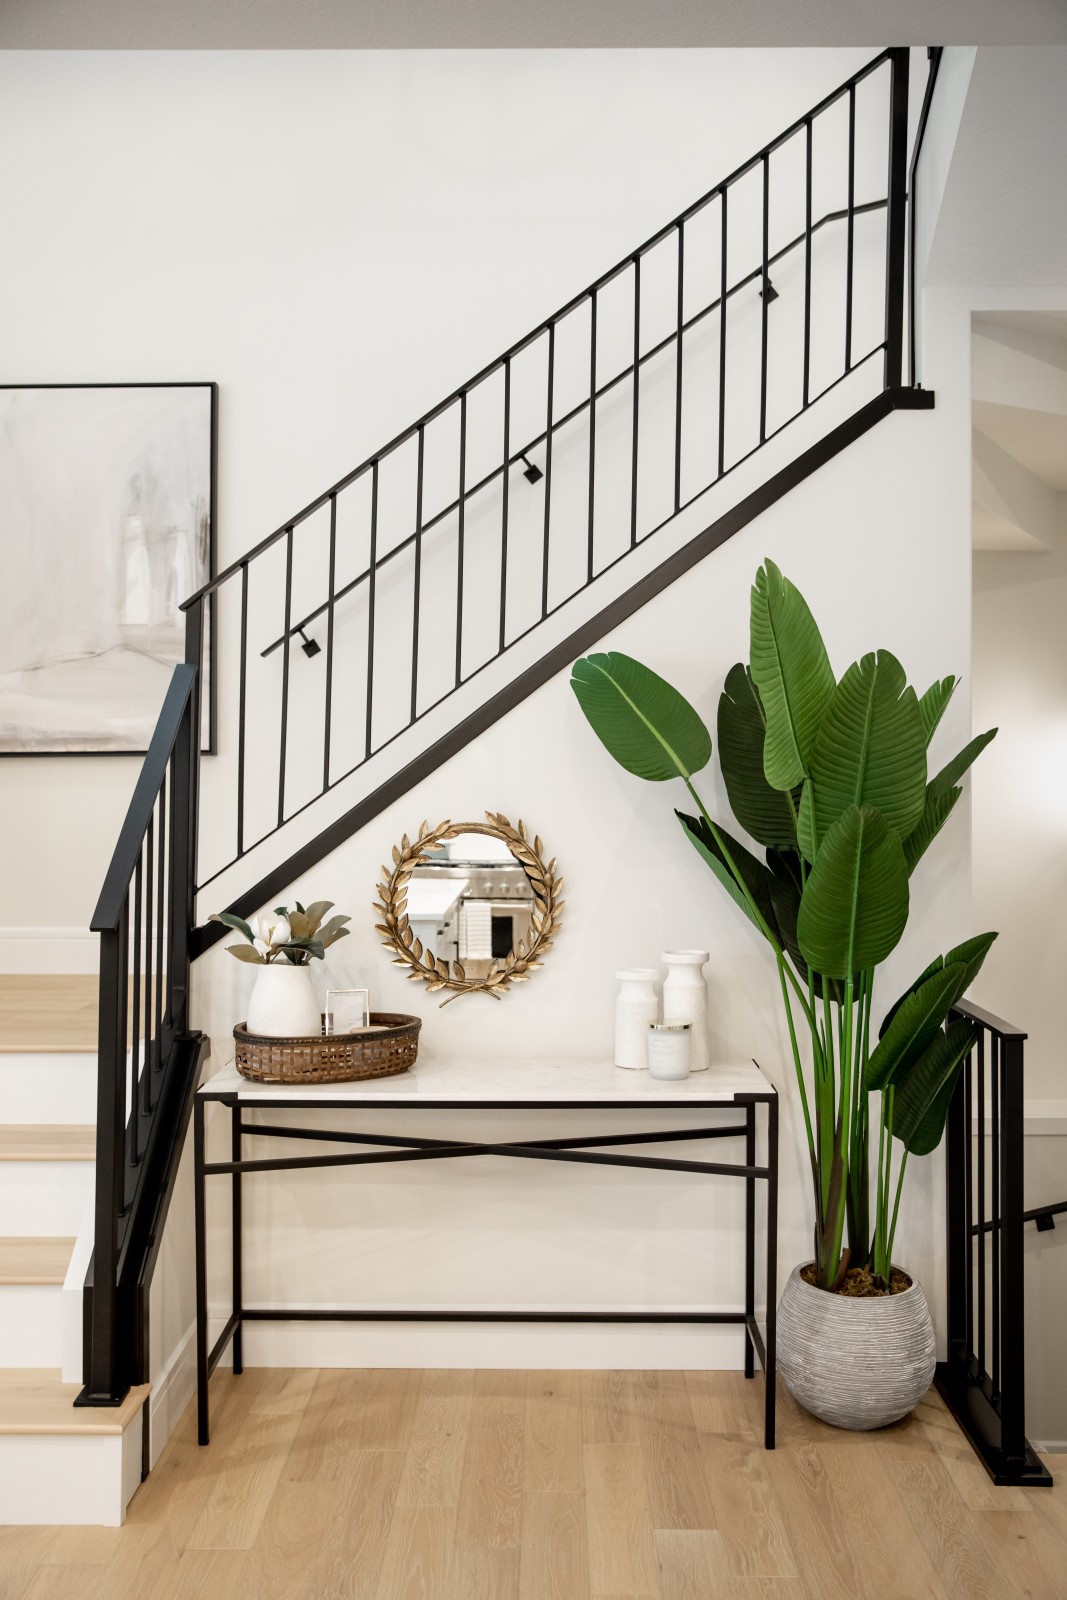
{"points": [[282, 1004], [636, 1008], [685, 999]]}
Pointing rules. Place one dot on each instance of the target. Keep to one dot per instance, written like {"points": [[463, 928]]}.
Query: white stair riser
{"points": [[64, 1480], [48, 1088], [31, 1325], [42, 1198]]}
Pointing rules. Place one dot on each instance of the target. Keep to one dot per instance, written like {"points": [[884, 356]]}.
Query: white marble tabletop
{"points": [[504, 1083]]}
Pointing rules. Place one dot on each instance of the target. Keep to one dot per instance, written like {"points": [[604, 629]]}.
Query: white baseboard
{"points": [[49, 950], [172, 1389], [531, 1345], [1050, 1447]]}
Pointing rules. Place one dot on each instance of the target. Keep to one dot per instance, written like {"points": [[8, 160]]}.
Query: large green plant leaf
{"points": [[970, 955], [921, 1097], [855, 904], [767, 814], [792, 672], [920, 1016], [940, 799], [933, 703], [756, 877], [786, 888], [937, 808], [870, 750], [643, 721]]}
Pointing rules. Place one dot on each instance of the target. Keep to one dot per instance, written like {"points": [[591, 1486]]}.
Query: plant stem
{"points": [[896, 1209], [797, 1061]]}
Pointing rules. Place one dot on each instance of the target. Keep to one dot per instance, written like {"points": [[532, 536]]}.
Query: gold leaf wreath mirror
{"points": [[470, 906]]}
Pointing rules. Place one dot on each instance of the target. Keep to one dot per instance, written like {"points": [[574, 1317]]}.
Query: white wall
{"points": [[338, 240]]}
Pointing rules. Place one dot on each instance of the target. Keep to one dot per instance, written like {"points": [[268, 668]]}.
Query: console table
{"points": [[518, 1086]]}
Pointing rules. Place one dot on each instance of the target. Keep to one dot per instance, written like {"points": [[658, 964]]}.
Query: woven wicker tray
{"points": [[333, 1058]]}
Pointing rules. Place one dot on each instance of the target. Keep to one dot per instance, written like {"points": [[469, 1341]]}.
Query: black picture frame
{"points": [[69, 476]]}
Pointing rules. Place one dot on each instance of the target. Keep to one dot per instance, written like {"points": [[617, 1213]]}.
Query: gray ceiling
{"points": [[520, 24]]}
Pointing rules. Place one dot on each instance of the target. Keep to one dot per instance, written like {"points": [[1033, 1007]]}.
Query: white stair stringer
{"points": [[63, 1465]]}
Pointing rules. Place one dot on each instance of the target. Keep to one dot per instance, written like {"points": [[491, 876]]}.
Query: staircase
{"points": [[57, 1463], [442, 581]]}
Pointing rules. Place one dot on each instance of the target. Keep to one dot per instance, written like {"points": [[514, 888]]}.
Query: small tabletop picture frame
{"points": [[108, 507], [347, 1010]]}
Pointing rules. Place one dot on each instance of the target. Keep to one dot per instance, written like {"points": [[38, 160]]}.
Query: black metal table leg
{"points": [[236, 1130], [772, 1270], [199, 1181], [750, 1237]]}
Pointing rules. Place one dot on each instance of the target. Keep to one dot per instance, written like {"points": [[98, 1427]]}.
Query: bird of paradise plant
{"points": [[830, 777]]}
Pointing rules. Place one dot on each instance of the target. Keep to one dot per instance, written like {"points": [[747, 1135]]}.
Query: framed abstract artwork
{"points": [[107, 523]]}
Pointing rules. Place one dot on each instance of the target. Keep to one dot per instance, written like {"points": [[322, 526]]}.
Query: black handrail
{"points": [[983, 1377], [148, 1057]]}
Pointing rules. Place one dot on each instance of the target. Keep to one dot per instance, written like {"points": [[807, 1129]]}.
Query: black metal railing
{"points": [[983, 1377], [148, 1056], [621, 410], [428, 563]]}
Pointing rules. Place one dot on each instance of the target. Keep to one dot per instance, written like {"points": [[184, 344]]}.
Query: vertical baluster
{"points": [[896, 216], [763, 301], [327, 711], [678, 371], [545, 547], [150, 1042], [161, 914], [958, 1239], [994, 1183], [242, 706], [372, 579], [505, 483], [103, 1379], [637, 400], [723, 290], [807, 261], [968, 1201], [1012, 1286], [460, 533], [134, 1001], [592, 437], [980, 1185], [418, 574], [286, 646], [850, 234]]}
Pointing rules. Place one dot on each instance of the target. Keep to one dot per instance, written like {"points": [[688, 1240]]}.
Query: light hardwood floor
{"points": [[402, 1485]]}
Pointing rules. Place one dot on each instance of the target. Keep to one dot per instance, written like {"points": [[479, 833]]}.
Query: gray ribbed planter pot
{"points": [[855, 1363]]}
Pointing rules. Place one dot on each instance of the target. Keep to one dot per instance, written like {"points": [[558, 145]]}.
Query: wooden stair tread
{"points": [[47, 1142], [35, 1400], [34, 1261], [48, 1013]]}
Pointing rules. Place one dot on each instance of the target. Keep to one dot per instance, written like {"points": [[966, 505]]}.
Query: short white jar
{"points": [[669, 1045]]}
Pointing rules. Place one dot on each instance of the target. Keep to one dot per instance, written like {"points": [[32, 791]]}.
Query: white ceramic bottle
{"points": [[636, 1008], [685, 999]]}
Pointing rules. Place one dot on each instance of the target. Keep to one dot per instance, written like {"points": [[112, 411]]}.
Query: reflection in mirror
{"points": [[471, 902], [470, 905]]}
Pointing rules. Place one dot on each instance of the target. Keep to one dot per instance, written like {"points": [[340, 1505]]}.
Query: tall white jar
{"points": [[685, 999], [636, 1008]]}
